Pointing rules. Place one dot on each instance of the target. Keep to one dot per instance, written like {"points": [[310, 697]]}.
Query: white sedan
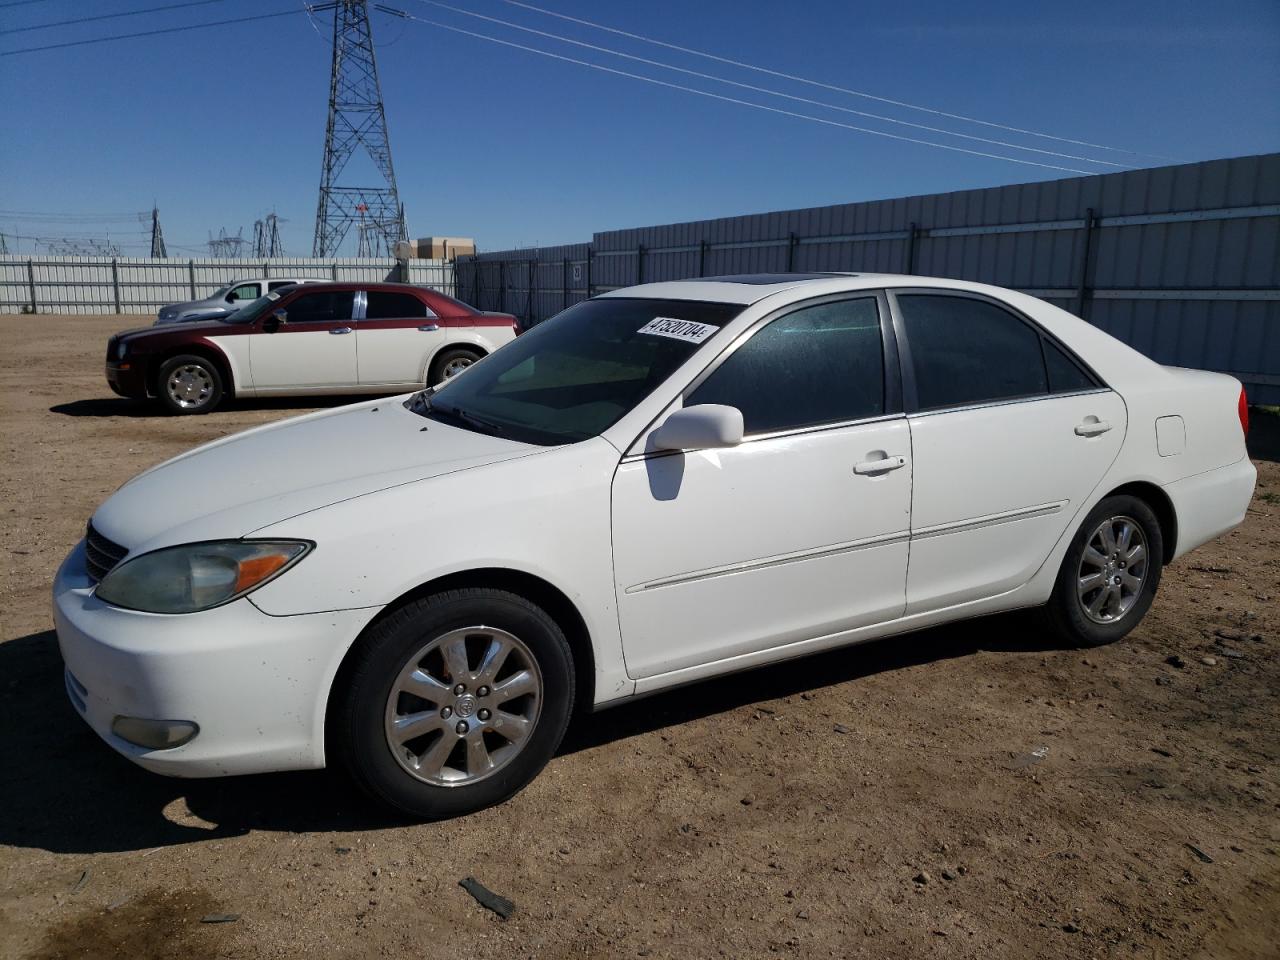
{"points": [[664, 483]]}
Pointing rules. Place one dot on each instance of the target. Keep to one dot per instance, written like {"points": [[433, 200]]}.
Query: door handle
{"points": [[337, 330], [429, 328], [879, 466], [1092, 428]]}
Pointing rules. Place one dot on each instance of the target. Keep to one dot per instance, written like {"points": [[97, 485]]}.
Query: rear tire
{"points": [[451, 363], [188, 384], [1109, 575], [454, 702]]}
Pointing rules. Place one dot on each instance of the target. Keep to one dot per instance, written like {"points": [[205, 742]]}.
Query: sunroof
{"points": [[763, 279]]}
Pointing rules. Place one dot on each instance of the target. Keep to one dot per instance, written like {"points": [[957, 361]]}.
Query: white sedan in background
{"points": [[661, 484]]}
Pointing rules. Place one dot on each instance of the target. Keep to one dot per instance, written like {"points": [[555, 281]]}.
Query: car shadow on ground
{"points": [[121, 407], [67, 792], [1264, 433]]}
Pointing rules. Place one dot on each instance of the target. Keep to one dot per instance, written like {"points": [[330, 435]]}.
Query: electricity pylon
{"points": [[266, 237], [356, 119], [157, 235]]}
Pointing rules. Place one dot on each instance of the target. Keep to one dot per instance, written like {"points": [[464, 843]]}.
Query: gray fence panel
{"points": [[140, 285], [1184, 261]]}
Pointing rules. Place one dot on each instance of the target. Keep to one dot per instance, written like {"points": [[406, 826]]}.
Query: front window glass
{"points": [[322, 307], [574, 376], [245, 292], [252, 311], [816, 365]]}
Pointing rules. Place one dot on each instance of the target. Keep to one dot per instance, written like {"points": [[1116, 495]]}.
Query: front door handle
{"points": [[1092, 428], [883, 465], [429, 328], [337, 330]]}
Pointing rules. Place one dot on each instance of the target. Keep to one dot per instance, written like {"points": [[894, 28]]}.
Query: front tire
{"points": [[1109, 575], [188, 384], [455, 702]]}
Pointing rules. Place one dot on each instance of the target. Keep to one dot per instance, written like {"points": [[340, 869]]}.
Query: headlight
{"points": [[198, 576], [121, 349]]}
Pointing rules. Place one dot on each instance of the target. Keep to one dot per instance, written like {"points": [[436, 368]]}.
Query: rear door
{"points": [[1010, 434], [396, 338], [314, 348]]}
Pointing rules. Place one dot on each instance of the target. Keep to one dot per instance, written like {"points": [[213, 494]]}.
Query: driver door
{"points": [[788, 536], [313, 349]]}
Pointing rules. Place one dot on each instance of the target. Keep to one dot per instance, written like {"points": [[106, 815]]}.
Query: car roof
{"points": [[748, 289], [357, 285]]}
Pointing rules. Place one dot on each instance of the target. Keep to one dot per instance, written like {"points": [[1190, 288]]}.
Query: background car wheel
{"points": [[1109, 575], [455, 702], [450, 364], [189, 384]]}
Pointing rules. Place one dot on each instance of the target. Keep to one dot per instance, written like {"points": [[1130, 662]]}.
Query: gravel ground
{"points": [[972, 791]]}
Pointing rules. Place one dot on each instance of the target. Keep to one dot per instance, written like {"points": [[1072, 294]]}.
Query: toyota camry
{"points": [[661, 484]]}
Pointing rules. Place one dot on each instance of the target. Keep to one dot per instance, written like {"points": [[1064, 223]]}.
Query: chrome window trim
{"points": [[1009, 401], [910, 397]]}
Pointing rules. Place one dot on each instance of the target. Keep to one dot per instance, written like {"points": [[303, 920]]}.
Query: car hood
{"points": [[213, 327], [239, 484]]}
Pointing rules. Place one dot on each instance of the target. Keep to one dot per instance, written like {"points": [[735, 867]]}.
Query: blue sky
{"points": [[220, 126]]}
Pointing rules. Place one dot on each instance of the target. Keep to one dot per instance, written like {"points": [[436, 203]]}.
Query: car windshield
{"points": [[252, 310], [220, 292], [574, 376]]}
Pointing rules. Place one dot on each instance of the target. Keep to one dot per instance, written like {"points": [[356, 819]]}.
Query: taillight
{"points": [[516, 327], [1244, 412]]}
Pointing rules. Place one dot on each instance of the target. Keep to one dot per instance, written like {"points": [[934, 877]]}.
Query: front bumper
{"points": [[256, 685], [127, 378]]}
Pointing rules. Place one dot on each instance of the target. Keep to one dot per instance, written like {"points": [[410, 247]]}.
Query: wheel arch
{"points": [[199, 348], [454, 343], [1161, 506], [533, 588]]}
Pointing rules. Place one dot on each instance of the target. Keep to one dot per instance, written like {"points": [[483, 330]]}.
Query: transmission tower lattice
{"points": [[266, 237], [157, 235], [226, 246], [356, 119]]}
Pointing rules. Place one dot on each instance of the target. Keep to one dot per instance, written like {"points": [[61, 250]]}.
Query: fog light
{"points": [[154, 734]]}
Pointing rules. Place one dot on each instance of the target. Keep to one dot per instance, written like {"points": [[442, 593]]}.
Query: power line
{"points": [[766, 90], [826, 86], [152, 33], [725, 99], [110, 16], [19, 3]]}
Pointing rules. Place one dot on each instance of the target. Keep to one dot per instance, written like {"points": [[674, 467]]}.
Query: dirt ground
{"points": [[972, 791]]}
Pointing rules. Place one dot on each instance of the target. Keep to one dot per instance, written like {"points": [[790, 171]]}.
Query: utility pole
{"points": [[356, 119], [157, 235]]}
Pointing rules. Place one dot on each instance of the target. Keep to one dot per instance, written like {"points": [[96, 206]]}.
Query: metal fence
{"points": [[1182, 262], [142, 285]]}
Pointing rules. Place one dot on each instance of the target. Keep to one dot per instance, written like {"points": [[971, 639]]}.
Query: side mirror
{"points": [[703, 426], [273, 322]]}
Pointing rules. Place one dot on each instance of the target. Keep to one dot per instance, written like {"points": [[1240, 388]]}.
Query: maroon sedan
{"points": [[321, 338]]}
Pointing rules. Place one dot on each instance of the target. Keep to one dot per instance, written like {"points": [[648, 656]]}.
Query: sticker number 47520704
{"points": [[678, 329]]}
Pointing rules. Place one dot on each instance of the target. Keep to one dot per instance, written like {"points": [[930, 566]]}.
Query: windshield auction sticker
{"points": [[678, 329]]}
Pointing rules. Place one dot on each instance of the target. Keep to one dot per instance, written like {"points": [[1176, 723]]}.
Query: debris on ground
{"points": [[220, 918], [487, 898], [84, 878], [1174, 660], [1030, 759], [1200, 854]]}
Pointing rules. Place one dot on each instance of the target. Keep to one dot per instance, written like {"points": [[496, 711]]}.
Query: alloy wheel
{"points": [[1112, 570], [463, 706], [189, 386]]}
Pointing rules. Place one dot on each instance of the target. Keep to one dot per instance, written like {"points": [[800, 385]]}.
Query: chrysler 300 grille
{"points": [[101, 554]]}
